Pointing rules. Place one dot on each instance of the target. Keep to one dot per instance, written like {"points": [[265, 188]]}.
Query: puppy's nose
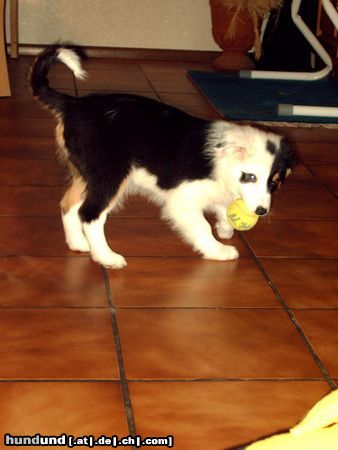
{"points": [[261, 211]]}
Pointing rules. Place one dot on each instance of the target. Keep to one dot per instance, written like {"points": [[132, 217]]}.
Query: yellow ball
{"points": [[240, 217]]}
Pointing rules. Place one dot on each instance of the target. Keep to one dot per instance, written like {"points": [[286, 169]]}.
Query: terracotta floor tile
{"points": [[318, 152], [157, 68], [305, 283], [206, 113], [321, 329], [301, 179], [304, 205], [46, 282], [190, 344], [53, 409], [30, 200], [57, 344], [27, 127], [19, 66], [21, 147], [43, 236], [63, 81], [173, 84], [60, 79], [34, 236], [122, 80], [30, 172], [20, 110], [112, 65], [327, 174], [189, 99], [174, 80], [191, 103], [308, 134], [93, 90], [54, 319], [220, 415], [187, 282], [152, 237], [20, 88], [294, 239]]}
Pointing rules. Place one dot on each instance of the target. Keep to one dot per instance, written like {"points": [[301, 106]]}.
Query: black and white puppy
{"points": [[115, 144]]}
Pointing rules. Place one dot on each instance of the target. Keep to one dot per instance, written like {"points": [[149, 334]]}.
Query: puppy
{"points": [[115, 144]]}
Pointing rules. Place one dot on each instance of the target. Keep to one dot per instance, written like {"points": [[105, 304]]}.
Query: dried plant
{"points": [[257, 9]]}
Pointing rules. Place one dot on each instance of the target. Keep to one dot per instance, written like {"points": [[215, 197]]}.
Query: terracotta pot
{"points": [[236, 45]]}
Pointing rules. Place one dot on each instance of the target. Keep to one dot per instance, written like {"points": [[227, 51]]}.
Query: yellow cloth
{"points": [[317, 431]]}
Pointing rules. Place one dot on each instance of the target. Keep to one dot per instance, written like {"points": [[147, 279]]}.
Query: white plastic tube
{"points": [[304, 110]]}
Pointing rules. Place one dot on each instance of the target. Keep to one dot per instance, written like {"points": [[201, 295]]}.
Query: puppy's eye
{"points": [[248, 178]]}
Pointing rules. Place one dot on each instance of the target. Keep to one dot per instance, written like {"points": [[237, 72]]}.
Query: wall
{"points": [[157, 24]]}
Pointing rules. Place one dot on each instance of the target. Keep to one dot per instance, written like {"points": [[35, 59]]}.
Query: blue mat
{"points": [[256, 100]]}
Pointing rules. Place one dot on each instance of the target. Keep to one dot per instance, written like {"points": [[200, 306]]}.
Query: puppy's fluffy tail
{"points": [[38, 75]]}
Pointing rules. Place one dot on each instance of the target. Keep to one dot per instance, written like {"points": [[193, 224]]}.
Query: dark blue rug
{"points": [[256, 100]]}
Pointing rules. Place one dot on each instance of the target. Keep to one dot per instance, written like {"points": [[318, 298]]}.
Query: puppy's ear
{"points": [[226, 149], [288, 155]]}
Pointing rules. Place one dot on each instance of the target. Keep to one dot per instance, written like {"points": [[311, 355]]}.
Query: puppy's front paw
{"points": [[223, 253], [224, 230], [110, 260], [78, 244]]}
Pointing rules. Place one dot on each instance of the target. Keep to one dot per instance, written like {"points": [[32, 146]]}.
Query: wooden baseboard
{"points": [[134, 53]]}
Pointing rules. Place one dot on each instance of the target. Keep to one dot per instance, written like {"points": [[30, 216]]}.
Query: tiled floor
{"points": [[215, 354]]}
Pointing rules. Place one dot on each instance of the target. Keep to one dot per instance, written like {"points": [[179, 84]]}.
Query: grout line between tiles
{"points": [[54, 307], [221, 380], [159, 380], [159, 308], [322, 183], [158, 95], [330, 381], [208, 308], [118, 348], [59, 380]]}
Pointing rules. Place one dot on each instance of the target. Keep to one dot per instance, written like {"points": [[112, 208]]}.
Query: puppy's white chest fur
{"points": [[203, 194]]}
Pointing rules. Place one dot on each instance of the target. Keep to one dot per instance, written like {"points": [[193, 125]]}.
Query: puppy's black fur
{"points": [[108, 134]]}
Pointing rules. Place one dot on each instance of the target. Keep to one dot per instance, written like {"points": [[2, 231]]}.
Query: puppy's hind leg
{"points": [[93, 214], [70, 205]]}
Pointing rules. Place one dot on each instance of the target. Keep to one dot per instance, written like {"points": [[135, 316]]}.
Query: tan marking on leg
{"points": [[73, 195], [62, 152]]}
